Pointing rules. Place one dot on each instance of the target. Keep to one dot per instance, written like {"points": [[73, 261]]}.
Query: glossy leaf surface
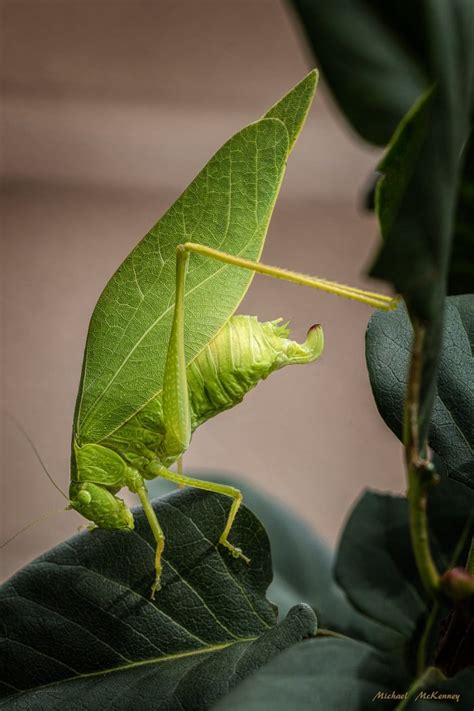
{"points": [[388, 343], [79, 629]]}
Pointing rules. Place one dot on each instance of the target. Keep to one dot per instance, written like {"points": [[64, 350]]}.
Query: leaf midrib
{"points": [[142, 663], [131, 352], [94, 405], [167, 310]]}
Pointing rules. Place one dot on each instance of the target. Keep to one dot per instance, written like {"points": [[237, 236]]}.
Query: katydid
{"points": [[165, 351]]}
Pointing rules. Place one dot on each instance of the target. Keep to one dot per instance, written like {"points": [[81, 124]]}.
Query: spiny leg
{"points": [[176, 407], [371, 298], [157, 533], [230, 491]]}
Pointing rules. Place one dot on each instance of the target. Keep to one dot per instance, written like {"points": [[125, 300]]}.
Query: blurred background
{"points": [[110, 108]]}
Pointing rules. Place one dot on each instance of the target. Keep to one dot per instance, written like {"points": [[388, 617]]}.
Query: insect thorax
{"points": [[244, 352]]}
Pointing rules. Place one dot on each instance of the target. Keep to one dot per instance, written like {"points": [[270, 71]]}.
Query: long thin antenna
{"points": [[38, 456], [29, 525]]}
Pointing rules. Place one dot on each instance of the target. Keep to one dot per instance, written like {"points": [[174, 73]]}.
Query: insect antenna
{"points": [[25, 434], [37, 454], [29, 525]]}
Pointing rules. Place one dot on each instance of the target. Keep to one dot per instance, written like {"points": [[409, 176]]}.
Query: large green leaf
{"points": [[451, 433], [228, 206], [455, 693], [372, 57], [302, 566], [320, 675], [331, 674], [81, 632], [461, 270], [376, 570], [302, 563], [371, 591], [375, 564], [419, 189], [379, 58]]}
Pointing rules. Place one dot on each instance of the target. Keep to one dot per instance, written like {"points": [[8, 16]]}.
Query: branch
{"points": [[420, 472]]}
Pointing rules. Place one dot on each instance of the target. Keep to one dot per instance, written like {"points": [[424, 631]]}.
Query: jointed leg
{"points": [[235, 494], [157, 533], [179, 470], [176, 411], [371, 298]]}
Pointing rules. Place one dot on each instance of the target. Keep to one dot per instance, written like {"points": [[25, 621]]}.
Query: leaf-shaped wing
{"points": [[228, 206]]}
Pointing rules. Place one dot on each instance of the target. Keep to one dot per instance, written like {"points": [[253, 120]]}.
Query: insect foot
{"points": [[156, 587], [236, 552]]}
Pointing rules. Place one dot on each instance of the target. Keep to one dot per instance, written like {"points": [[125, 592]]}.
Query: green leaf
{"points": [[445, 695], [332, 674], [461, 270], [375, 563], [228, 206], [293, 108], [399, 163], [372, 56], [320, 674], [451, 433], [376, 571], [379, 58], [81, 631], [302, 563], [422, 172]]}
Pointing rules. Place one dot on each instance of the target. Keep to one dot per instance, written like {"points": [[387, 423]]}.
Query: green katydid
{"points": [[164, 351]]}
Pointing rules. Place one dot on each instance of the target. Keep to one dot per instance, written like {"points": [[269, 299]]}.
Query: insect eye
{"points": [[84, 497]]}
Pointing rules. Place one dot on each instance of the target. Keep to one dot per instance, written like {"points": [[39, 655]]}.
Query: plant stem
{"points": [[421, 655], [430, 676], [417, 501], [419, 471]]}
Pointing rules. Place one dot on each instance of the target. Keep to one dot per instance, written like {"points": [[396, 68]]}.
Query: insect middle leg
{"points": [[224, 489]]}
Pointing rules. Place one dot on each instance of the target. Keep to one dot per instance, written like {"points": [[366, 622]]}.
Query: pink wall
{"points": [[110, 109]]}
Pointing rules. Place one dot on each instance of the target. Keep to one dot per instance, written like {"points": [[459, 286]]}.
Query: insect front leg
{"points": [[99, 473], [140, 488]]}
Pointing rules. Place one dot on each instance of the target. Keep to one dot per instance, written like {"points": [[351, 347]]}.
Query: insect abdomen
{"points": [[244, 352]]}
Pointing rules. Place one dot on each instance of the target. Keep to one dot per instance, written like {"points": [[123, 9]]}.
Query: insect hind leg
{"points": [[224, 489]]}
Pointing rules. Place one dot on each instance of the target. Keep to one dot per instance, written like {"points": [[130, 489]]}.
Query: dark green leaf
{"points": [[376, 569], [302, 563], [81, 632], [456, 693], [388, 343], [321, 674], [372, 55], [302, 566], [331, 674], [375, 564], [379, 58], [461, 270], [422, 181]]}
